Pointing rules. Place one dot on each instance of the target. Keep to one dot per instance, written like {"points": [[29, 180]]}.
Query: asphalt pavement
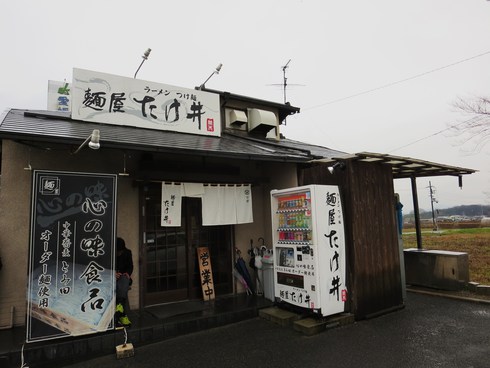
{"points": [[431, 331]]}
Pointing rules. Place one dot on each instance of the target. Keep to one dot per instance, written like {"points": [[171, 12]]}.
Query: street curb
{"points": [[449, 296]]}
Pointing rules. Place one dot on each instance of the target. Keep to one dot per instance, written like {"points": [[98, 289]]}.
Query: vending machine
{"points": [[309, 248]]}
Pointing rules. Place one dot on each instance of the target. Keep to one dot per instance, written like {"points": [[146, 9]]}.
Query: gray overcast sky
{"points": [[337, 49]]}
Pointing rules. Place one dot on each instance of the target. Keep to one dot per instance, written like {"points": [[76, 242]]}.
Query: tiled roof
{"points": [[49, 127], [56, 127]]}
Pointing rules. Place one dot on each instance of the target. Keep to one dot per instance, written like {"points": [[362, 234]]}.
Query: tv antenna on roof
{"points": [[285, 80], [284, 83]]}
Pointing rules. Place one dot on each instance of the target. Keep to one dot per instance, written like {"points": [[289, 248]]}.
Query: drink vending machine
{"points": [[309, 248]]}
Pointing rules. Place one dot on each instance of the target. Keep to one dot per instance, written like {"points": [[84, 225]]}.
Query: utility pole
{"points": [[432, 191]]}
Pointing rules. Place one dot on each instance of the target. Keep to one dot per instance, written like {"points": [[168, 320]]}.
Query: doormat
{"points": [[165, 311]]}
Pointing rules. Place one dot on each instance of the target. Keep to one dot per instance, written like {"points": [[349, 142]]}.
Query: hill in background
{"points": [[474, 210]]}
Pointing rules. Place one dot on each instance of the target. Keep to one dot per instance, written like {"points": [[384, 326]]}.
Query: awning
{"points": [[405, 167]]}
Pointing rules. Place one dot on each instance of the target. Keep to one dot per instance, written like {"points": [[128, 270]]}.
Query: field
{"points": [[474, 241]]}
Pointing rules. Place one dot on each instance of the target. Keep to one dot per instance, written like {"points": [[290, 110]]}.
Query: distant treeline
{"points": [[472, 210]]}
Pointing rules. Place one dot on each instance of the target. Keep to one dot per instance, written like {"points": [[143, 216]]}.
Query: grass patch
{"points": [[481, 230], [474, 241]]}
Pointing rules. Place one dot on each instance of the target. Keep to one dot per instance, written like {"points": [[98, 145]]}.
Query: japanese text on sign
{"points": [[71, 277], [206, 273], [334, 219], [111, 99]]}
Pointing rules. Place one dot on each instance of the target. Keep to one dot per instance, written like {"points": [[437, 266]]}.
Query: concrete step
{"points": [[312, 326], [306, 325], [279, 316]]}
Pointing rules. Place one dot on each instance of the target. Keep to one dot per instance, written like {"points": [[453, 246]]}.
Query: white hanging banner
{"points": [[221, 204], [228, 205], [171, 204], [243, 204], [193, 190], [211, 214]]}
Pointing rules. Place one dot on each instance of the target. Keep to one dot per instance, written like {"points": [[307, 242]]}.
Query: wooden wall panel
{"points": [[371, 234]]}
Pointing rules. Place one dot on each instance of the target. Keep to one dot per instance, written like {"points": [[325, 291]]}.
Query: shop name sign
{"points": [[111, 99]]}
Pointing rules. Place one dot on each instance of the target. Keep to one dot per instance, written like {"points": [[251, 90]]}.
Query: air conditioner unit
{"points": [[261, 120]]}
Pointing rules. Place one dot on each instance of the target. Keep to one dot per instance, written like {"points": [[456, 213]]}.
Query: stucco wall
{"points": [[282, 176], [128, 229], [279, 176], [15, 197]]}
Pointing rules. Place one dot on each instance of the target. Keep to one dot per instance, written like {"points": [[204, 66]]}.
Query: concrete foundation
{"points": [[436, 269]]}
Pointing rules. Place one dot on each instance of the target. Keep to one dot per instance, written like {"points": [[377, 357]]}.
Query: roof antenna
{"points": [[285, 84], [284, 79]]}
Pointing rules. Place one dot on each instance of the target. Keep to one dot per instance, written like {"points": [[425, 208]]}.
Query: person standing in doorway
{"points": [[399, 214], [124, 269]]}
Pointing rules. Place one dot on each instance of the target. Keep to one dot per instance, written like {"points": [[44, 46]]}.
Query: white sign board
{"points": [[59, 96], [111, 99]]}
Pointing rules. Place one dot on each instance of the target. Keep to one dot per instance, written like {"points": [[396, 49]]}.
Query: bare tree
{"points": [[474, 133]]}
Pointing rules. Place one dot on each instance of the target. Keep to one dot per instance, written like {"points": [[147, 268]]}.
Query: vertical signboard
{"points": [[71, 254], [171, 204], [334, 294], [206, 272]]}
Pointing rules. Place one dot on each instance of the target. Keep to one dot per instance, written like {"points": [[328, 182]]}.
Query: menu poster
{"points": [[71, 254]]}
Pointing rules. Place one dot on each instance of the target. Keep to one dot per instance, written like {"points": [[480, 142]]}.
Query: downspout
{"points": [[416, 212]]}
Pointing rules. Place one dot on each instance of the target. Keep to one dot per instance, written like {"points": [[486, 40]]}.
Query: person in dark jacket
{"points": [[124, 269]]}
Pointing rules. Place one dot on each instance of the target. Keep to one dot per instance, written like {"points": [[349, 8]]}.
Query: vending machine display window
{"points": [[285, 257]]}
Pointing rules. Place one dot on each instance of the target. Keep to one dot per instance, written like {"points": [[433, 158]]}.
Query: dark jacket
{"points": [[124, 262]]}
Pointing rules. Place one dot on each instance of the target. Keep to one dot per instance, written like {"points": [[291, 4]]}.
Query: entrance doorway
{"points": [[170, 270]]}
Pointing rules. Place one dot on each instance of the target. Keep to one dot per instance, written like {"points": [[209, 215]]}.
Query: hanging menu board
{"points": [[71, 254]]}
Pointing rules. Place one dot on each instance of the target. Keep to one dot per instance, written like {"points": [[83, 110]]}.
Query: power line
{"points": [[431, 135], [396, 82]]}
